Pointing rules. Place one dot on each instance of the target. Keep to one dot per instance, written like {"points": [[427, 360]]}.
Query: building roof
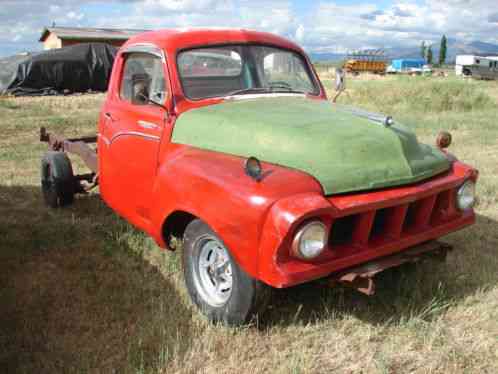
{"points": [[88, 33]]}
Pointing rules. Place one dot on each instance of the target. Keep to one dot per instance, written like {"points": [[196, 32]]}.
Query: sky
{"points": [[318, 26]]}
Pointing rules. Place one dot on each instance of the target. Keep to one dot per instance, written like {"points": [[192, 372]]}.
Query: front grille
{"points": [[379, 224], [375, 227], [342, 230]]}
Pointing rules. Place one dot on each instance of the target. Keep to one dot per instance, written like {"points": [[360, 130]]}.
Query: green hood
{"points": [[343, 151]]}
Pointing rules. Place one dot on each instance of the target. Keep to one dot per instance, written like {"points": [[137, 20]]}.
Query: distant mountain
{"points": [[325, 56], [474, 48], [454, 48]]}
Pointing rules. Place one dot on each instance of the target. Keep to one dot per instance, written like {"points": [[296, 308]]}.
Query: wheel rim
{"points": [[213, 272]]}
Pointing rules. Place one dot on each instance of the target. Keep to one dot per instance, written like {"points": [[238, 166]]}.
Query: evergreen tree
{"points": [[429, 55], [442, 50], [423, 50]]}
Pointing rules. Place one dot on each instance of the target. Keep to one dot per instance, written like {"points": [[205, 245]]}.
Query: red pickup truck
{"points": [[226, 139]]}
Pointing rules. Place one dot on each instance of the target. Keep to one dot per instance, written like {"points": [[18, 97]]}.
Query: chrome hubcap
{"points": [[214, 272]]}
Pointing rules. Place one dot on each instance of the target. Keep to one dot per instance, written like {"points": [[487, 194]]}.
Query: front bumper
{"points": [[361, 277], [363, 226]]}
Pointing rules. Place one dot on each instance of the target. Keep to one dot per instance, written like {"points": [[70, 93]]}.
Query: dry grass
{"points": [[82, 291]]}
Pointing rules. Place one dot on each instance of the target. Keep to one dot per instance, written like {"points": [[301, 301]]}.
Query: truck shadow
{"points": [[76, 296], [423, 291]]}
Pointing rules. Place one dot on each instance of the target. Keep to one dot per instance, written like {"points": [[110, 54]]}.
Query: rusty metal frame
{"points": [[79, 147], [361, 277]]}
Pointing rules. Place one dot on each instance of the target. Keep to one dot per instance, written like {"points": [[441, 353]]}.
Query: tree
{"points": [[423, 50], [442, 50], [429, 55]]}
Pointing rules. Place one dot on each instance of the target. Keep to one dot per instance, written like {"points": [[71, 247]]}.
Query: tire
{"points": [[57, 179], [239, 297]]}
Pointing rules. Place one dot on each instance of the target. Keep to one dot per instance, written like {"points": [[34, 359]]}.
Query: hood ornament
{"points": [[387, 121]]}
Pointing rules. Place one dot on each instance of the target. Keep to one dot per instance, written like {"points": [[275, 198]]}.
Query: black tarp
{"points": [[79, 68]]}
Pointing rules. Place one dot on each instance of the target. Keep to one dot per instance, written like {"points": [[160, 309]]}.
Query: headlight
{"points": [[310, 240], [466, 195]]}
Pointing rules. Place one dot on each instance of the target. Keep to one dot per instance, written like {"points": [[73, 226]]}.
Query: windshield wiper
{"points": [[287, 90], [249, 90], [273, 89], [281, 86]]}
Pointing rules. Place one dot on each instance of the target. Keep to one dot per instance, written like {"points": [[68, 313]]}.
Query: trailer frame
{"points": [[80, 147]]}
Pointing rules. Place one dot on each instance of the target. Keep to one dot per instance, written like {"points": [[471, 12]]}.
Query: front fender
{"points": [[281, 223], [214, 187]]}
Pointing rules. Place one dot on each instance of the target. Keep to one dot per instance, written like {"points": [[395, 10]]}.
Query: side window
{"points": [[143, 78]]}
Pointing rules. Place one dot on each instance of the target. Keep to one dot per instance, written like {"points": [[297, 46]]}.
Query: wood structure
{"points": [[59, 37]]}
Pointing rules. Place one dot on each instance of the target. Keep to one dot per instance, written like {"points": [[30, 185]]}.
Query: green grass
{"points": [[83, 291], [422, 95]]}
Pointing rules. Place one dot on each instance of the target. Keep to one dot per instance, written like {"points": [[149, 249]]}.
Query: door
{"points": [[134, 123]]}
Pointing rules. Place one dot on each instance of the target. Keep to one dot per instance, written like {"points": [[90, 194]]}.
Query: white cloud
{"points": [[300, 32], [75, 16], [185, 6], [325, 25]]}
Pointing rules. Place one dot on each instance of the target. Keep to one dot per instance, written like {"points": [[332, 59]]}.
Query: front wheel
{"points": [[219, 287]]}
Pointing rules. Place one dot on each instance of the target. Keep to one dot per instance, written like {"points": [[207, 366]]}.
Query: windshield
{"points": [[243, 69]]}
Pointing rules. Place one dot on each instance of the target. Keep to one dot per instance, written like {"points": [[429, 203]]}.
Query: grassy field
{"points": [[83, 292]]}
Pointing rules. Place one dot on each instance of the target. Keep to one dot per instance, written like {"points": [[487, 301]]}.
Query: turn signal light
{"points": [[253, 168], [443, 140]]}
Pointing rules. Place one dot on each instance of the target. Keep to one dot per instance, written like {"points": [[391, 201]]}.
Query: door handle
{"points": [[109, 116]]}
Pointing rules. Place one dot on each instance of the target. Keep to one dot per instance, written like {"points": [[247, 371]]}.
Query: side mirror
{"points": [[140, 89], [340, 83], [340, 80]]}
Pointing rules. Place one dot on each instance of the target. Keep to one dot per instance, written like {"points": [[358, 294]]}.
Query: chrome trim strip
{"points": [[147, 125], [264, 95], [135, 133]]}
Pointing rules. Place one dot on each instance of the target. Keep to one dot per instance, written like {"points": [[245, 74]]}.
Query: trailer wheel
{"points": [[219, 287], [57, 179]]}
